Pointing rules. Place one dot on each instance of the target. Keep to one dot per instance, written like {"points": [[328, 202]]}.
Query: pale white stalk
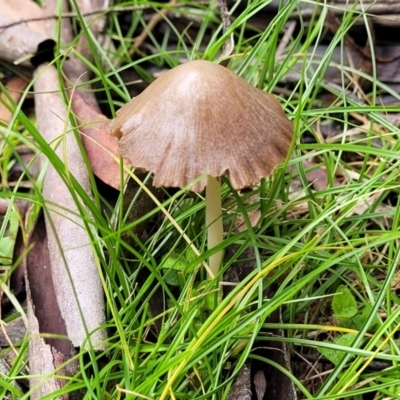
{"points": [[214, 221]]}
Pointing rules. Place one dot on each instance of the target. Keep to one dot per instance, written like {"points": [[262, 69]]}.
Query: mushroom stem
{"points": [[214, 221]]}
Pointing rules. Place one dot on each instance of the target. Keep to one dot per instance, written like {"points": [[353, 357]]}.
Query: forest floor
{"points": [[103, 278]]}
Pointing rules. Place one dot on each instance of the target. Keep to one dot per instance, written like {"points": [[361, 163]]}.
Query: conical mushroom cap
{"points": [[201, 118]]}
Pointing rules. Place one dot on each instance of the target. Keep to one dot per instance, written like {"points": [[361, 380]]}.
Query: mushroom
{"points": [[201, 120]]}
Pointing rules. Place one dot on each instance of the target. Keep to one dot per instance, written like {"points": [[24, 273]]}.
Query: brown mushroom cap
{"points": [[201, 118]]}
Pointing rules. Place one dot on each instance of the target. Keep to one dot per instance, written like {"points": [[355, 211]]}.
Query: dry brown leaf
{"points": [[240, 223], [22, 40], [96, 22], [44, 317], [79, 290], [364, 204], [318, 177], [100, 147], [15, 86], [4, 204], [260, 384], [54, 7], [19, 10]]}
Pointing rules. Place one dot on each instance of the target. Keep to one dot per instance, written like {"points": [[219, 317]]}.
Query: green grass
{"points": [[307, 243]]}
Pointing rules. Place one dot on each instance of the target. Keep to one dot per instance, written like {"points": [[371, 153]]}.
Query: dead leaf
{"points": [[100, 147], [15, 87], [253, 215], [95, 23], [19, 10], [74, 271], [364, 204], [20, 42], [21, 205], [240, 223], [260, 384], [44, 317], [318, 177]]}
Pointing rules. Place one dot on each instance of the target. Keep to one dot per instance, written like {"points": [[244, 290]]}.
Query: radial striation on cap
{"points": [[202, 119]]}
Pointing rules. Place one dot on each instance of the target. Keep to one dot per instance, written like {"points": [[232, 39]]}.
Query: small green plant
{"points": [[347, 312], [344, 304], [178, 272], [345, 309], [335, 355], [174, 267]]}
